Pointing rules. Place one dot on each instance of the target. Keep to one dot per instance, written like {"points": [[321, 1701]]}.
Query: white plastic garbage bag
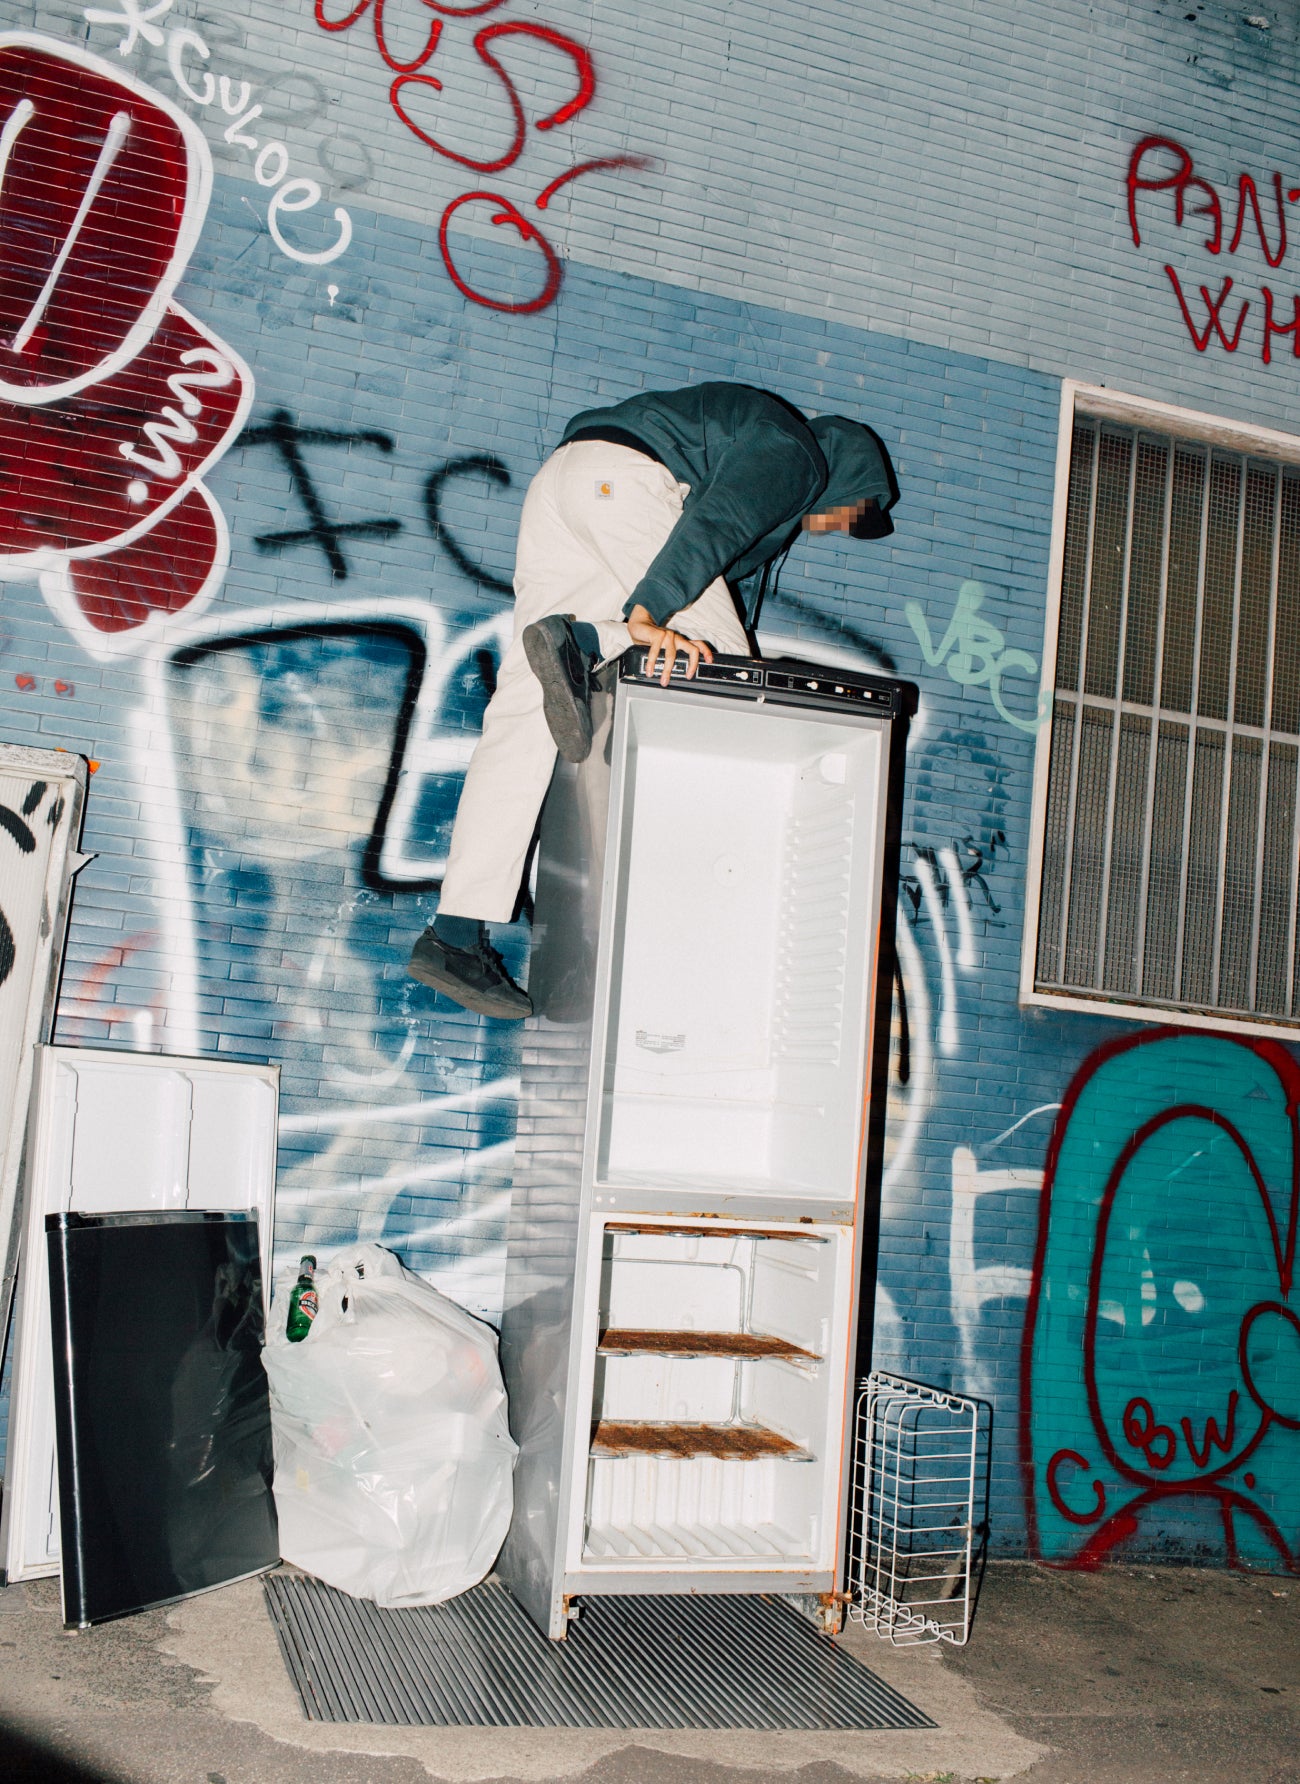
{"points": [[393, 1458]]}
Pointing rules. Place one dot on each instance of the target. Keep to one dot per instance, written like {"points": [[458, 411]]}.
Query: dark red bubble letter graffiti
{"points": [[113, 399]]}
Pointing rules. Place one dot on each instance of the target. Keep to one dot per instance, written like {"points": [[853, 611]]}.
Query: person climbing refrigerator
{"points": [[642, 528]]}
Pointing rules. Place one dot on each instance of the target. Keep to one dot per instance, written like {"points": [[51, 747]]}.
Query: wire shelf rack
{"points": [[920, 1493]]}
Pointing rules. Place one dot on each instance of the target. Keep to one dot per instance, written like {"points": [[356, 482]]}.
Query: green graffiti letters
{"points": [[976, 652]]}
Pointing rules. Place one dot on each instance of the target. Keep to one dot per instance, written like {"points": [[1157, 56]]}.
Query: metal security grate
{"points": [[920, 1485], [1170, 841], [646, 1662]]}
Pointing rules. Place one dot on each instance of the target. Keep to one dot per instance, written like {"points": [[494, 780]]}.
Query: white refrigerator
{"points": [[693, 1201]]}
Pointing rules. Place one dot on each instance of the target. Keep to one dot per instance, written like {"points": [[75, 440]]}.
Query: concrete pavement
{"points": [[1125, 1677]]}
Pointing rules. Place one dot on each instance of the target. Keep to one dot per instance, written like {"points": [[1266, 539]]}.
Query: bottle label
{"points": [[309, 1303]]}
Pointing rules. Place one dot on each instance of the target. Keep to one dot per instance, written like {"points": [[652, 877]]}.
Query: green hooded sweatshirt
{"points": [[755, 467]]}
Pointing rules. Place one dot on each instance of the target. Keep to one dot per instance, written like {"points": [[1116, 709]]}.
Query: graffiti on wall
{"points": [[1160, 164], [976, 654], [295, 763], [298, 768], [224, 96], [1161, 1362], [410, 94], [113, 398]]}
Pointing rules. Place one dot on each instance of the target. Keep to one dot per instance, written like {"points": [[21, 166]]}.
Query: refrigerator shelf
{"points": [[724, 1443], [708, 1228], [628, 1541], [622, 1342]]}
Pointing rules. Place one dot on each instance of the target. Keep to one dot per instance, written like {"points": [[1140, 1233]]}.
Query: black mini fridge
{"points": [[161, 1408]]}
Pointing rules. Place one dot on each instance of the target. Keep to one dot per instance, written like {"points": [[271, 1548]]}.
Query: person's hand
{"points": [[656, 639]]}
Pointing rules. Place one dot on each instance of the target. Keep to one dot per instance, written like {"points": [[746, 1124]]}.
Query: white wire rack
{"points": [[920, 1465]]}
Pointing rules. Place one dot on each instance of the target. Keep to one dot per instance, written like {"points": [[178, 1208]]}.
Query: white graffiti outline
{"points": [[57, 587], [972, 1286], [427, 752], [180, 38]]}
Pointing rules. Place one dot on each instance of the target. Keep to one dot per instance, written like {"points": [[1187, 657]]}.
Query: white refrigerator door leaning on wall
{"points": [[42, 797], [115, 1132]]}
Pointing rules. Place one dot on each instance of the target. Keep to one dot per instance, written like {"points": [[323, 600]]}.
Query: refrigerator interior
{"points": [[743, 928], [718, 1387]]}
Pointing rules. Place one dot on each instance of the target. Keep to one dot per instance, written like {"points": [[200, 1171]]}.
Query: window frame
{"points": [[1101, 403]]}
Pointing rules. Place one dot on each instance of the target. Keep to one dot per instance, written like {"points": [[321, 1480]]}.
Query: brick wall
{"points": [[921, 221]]}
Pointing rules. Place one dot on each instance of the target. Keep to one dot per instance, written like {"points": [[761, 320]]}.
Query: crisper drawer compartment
{"points": [[648, 1510], [717, 1403]]}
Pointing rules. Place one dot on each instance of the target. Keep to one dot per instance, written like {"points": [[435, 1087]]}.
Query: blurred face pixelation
{"points": [[836, 520]]}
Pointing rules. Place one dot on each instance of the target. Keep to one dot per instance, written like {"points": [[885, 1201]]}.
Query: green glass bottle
{"points": [[304, 1302]]}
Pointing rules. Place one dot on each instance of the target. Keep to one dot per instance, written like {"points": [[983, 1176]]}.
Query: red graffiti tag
{"points": [[381, 42], [1214, 306], [1159, 164], [509, 214], [1281, 328], [1156, 1442], [410, 82], [1149, 1453], [1073, 1457], [1213, 1438], [581, 99]]}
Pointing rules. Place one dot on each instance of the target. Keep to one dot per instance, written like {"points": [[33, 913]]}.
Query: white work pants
{"points": [[594, 520]]}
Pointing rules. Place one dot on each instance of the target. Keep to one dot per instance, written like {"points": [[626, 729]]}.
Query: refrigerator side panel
{"points": [[883, 868], [545, 1215]]}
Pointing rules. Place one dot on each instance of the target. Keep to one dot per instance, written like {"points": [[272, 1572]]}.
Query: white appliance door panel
{"points": [[116, 1132]]}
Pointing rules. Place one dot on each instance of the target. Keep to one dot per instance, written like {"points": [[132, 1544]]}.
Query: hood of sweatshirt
{"points": [[859, 470]]}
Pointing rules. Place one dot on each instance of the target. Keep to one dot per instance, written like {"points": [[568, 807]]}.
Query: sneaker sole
{"points": [[567, 717], [462, 994]]}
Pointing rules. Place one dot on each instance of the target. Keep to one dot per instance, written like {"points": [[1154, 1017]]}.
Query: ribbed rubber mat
{"points": [[652, 1662]]}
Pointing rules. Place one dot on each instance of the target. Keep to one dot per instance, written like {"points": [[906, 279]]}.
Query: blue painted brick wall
{"points": [[926, 230]]}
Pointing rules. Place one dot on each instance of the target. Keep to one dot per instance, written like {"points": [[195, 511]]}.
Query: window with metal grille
{"points": [[1169, 838]]}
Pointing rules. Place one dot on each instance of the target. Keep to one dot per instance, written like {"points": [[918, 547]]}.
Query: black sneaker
{"points": [[473, 977], [556, 660]]}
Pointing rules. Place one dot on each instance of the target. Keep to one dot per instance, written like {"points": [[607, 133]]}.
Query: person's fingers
{"points": [[663, 640]]}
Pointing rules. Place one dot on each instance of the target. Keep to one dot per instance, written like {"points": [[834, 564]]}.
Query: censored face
{"points": [[836, 520]]}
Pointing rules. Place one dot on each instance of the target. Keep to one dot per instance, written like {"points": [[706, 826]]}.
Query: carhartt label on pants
{"points": [[604, 487]]}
